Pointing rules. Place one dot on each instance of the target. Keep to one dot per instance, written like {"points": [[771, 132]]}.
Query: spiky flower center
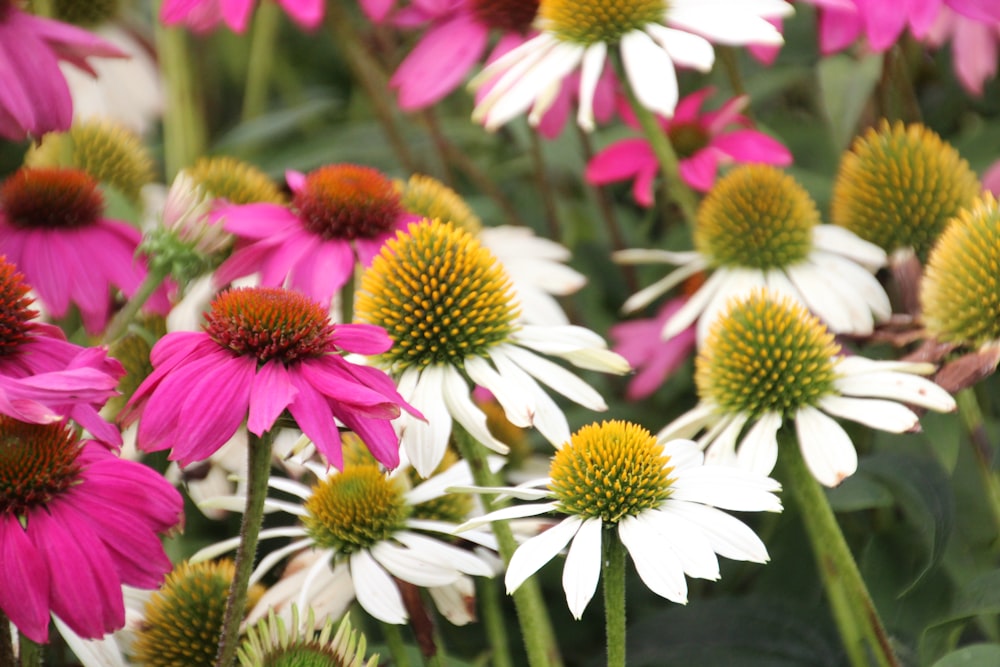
{"points": [[960, 291], [15, 314], [346, 201], [430, 198], [757, 217], [272, 643], [269, 323], [51, 198], [37, 463], [355, 509], [235, 181], [506, 15], [899, 185], [589, 22], [609, 471], [765, 354], [687, 138], [183, 620], [106, 150], [439, 294]]}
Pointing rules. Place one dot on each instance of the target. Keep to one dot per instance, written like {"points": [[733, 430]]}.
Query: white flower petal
{"points": [[688, 542], [728, 487], [425, 441], [872, 412], [456, 602], [729, 537], [684, 454], [827, 449], [693, 308], [721, 449], [819, 294], [276, 556], [456, 475], [855, 281], [553, 376], [538, 551], [590, 72], [737, 283], [436, 551], [375, 589], [654, 559], [896, 386], [842, 241], [759, 448], [546, 415], [515, 405], [650, 72], [466, 412], [582, 569], [512, 512], [91, 652], [406, 565], [689, 423], [684, 48]]}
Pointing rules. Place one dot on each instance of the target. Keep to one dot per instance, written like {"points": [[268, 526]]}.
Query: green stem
{"points": [[972, 419], [897, 98], [43, 8], [532, 614], [544, 187], [491, 611], [124, 317], [6, 641], [679, 192], [865, 639], [30, 652], [265, 32], [183, 126], [397, 647], [258, 471], [440, 143], [613, 575]]}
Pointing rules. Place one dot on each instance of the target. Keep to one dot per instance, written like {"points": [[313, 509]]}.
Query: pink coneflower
{"points": [[52, 227], [76, 522], [35, 98], [42, 376], [703, 141], [264, 350], [206, 15], [340, 214], [654, 358], [975, 46]]}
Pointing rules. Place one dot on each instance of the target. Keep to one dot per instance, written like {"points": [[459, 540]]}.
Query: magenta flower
{"points": [[703, 141], [76, 523], [991, 179], [339, 214], [44, 378], [206, 15], [34, 97], [641, 343], [264, 350], [975, 46], [51, 227]]}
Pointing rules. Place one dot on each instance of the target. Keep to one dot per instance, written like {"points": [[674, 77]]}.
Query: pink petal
{"points": [[689, 107], [838, 29], [361, 338], [24, 596], [619, 161], [256, 221], [699, 170], [883, 21], [753, 146], [270, 394], [378, 435], [236, 14], [333, 383], [986, 11], [323, 270], [307, 13], [313, 415]]}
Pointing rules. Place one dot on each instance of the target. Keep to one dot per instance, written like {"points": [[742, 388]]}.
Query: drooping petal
{"points": [[24, 596], [538, 551], [582, 569], [375, 589], [654, 559], [827, 449]]}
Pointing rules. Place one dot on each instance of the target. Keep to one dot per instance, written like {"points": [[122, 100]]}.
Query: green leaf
{"points": [[859, 492], [976, 655], [845, 85], [981, 596]]}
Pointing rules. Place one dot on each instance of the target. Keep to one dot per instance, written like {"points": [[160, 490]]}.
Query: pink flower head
{"points": [[975, 46], [44, 378], [703, 141], [34, 97], [641, 343], [264, 350], [205, 15], [841, 22], [51, 227], [76, 523], [339, 213]]}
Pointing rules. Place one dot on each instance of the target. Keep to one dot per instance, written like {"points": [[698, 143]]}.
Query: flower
{"points": [[52, 227], [652, 35], [759, 227], [340, 214], [235, 181], [975, 47], [702, 141], [362, 529], [43, 377], [35, 98], [898, 185], [767, 361], [662, 501], [264, 350], [654, 358], [206, 15], [270, 640], [448, 305], [76, 522], [535, 265]]}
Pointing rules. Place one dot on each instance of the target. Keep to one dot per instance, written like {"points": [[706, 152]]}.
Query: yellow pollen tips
{"points": [[765, 354], [589, 22], [609, 471], [235, 181], [430, 198], [440, 295], [758, 217], [960, 292], [355, 509], [899, 185]]}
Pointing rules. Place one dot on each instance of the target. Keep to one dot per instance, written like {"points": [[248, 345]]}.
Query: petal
{"points": [[582, 569], [375, 589], [872, 412], [24, 596], [827, 449], [654, 559], [538, 551], [270, 393], [650, 72]]}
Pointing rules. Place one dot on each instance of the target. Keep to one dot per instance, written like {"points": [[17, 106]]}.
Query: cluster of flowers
{"points": [[333, 342]]}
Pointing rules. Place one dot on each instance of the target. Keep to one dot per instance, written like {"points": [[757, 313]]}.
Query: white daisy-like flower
{"points": [[651, 35], [535, 265], [758, 228], [767, 361], [663, 502], [448, 305], [366, 528]]}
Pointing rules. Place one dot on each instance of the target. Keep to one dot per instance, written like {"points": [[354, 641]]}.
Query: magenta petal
{"points": [[236, 14], [323, 270], [282, 260], [313, 415], [688, 109], [838, 29], [439, 62], [123, 483], [24, 596], [377, 10], [270, 394], [257, 221], [985, 11], [619, 161], [333, 383], [307, 13], [245, 260], [173, 12], [699, 170], [753, 146], [378, 435], [361, 338]]}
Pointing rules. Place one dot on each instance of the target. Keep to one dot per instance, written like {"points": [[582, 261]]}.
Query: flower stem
{"points": [[183, 126], [865, 639], [544, 186], [972, 419], [532, 614], [613, 575], [30, 653], [6, 641], [258, 471], [124, 317], [397, 647], [488, 594], [265, 31]]}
